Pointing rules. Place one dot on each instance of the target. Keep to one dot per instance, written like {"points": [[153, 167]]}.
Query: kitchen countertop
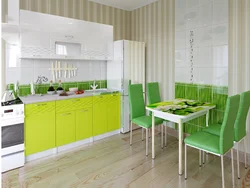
{"points": [[55, 97]]}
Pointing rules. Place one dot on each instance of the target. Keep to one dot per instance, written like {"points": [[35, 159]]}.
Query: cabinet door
{"points": [[39, 127], [113, 109], [99, 115], [84, 123], [35, 44], [65, 128]]}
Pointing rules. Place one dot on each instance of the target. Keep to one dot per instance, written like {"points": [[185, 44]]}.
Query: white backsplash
{"points": [[208, 19], [27, 70]]}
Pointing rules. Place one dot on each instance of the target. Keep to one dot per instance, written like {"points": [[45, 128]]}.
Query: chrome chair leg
{"points": [[147, 142], [162, 136], [185, 171], [238, 161], [245, 148], [131, 129], [222, 172], [200, 158], [142, 134], [232, 160], [166, 136]]}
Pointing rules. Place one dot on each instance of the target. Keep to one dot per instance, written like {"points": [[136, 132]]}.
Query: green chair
{"points": [[217, 145], [153, 95], [137, 112], [239, 126]]}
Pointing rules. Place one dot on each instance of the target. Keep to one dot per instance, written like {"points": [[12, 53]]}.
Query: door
{"points": [[65, 128], [84, 123], [100, 115], [113, 109], [39, 132]]}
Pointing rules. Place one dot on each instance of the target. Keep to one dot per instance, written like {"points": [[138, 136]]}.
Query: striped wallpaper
{"points": [[239, 50], [154, 25], [84, 10]]}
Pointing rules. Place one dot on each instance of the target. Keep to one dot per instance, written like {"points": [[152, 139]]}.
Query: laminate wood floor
{"points": [[111, 162]]}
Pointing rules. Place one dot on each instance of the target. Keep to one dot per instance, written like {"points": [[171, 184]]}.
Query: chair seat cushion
{"points": [[146, 121], [204, 141], [213, 129]]}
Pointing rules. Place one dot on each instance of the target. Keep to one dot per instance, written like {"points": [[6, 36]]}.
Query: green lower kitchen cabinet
{"points": [[106, 113], [65, 128], [100, 121], [84, 123], [39, 127], [113, 112]]}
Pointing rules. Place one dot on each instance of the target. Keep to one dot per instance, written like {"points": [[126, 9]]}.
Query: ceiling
{"points": [[125, 4]]}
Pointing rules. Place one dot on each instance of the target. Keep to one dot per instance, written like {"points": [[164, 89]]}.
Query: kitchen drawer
{"points": [[73, 104], [39, 108], [100, 99]]}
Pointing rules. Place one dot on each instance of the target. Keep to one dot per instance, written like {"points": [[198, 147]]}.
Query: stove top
{"points": [[12, 102]]}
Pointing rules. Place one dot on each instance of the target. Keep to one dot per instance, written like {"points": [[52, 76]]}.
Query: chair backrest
{"points": [[227, 127], [153, 92], [240, 122], [136, 101]]}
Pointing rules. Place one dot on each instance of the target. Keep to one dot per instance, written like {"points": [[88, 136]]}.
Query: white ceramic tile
{"points": [[205, 57], [220, 56], [192, 56], [203, 2], [42, 72], [180, 58], [206, 14], [182, 74], [180, 22], [190, 4], [25, 63], [220, 12], [103, 73], [42, 63], [196, 38], [180, 6], [180, 40], [206, 36], [192, 18], [214, 76], [23, 75], [220, 34]]}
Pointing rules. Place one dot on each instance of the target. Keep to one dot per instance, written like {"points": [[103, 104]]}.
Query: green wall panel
{"points": [[205, 93]]}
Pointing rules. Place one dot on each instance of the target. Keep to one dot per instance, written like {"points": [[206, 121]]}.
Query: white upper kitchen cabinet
{"points": [[54, 37]]}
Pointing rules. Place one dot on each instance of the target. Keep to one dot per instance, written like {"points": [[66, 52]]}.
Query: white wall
{"points": [[208, 19], [27, 70]]}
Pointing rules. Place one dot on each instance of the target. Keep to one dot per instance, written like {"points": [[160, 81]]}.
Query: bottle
{"points": [[32, 88], [51, 88], [59, 86]]}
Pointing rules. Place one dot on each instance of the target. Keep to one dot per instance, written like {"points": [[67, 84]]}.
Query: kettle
{"points": [[8, 95]]}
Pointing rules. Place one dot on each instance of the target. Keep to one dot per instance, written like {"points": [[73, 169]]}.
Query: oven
{"points": [[12, 127]]}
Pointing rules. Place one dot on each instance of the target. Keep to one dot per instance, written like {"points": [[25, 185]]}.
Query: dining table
{"points": [[178, 111]]}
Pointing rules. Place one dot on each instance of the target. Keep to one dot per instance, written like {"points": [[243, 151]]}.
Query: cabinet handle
{"points": [[66, 114], [44, 104], [84, 110], [75, 100]]}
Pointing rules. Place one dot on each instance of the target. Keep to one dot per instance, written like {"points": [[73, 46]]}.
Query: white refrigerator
{"points": [[128, 66]]}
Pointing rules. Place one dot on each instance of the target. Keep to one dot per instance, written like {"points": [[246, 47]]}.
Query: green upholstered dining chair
{"points": [[239, 126], [214, 144], [138, 112], [153, 95]]}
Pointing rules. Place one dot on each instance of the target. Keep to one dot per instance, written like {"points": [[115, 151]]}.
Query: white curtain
{"points": [[239, 51]]}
